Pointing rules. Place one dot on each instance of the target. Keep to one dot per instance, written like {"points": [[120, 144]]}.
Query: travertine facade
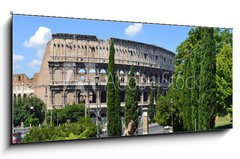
{"points": [[22, 85], [72, 62]]}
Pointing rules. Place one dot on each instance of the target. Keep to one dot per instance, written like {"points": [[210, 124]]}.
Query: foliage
{"points": [[224, 81], [70, 113], [113, 103], [29, 110], [202, 80], [84, 128], [118, 124], [207, 98], [169, 108], [131, 101], [151, 107]]}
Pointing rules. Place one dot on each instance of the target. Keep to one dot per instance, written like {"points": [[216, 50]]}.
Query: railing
{"points": [[101, 105], [83, 83], [105, 60]]}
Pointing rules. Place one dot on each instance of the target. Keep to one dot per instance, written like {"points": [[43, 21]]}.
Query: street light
{"points": [[172, 112], [31, 111], [96, 78]]}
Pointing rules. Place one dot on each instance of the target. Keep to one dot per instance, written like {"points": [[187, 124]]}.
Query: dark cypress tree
{"points": [[131, 101], [196, 78], [207, 81], [151, 107], [187, 104], [118, 122], [111, 92]]}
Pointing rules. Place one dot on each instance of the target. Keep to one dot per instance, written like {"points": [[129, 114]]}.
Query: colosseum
{"points": [[74, 70]]}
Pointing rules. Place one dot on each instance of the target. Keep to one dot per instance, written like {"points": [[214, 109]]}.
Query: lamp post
{"points": [[97, 113], [46, 96], [31, 111], [85, 108], [172, 112]]}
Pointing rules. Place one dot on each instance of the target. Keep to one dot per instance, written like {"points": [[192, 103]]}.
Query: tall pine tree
{"points": [[131, 101], [151, 107], [111, 92], [118, 121], [207, 81]]}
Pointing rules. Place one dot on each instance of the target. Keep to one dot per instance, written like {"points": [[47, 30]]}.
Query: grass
{"points": [[223, 122]]}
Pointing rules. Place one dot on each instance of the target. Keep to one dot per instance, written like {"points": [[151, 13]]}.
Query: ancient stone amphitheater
{"points": [[74, 70]]}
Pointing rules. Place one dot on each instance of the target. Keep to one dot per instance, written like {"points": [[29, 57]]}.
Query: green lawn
{"points": [[223, 122]]}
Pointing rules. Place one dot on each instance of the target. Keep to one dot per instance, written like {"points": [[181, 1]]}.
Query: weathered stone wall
{"points": [[71, 63], [22, 85]]}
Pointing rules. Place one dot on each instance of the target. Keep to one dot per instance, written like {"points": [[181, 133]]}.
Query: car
{"points": [[16, 137], [104, 130], [168, 129]]}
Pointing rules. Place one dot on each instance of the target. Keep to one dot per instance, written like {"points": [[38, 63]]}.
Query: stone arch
{"points": [[122, 96], [82, 74], [92, 97], [151, 77], [155, 95], [137, 76], [145, 96], [103, 75], [144, 78], [156, 77], [122, 76], [92, 74], [31, 95], [57, 74], [81, 97], [69, 75], [103, 115], [139, 96], [24, 95], [19, 95], [14, 96], [58, 100], [70, 98], [92, 115], [103, 97], [122, 114]]}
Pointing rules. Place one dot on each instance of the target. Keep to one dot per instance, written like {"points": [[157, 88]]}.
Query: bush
{"points": [[70, 113], [84, 128], [29, 110]]}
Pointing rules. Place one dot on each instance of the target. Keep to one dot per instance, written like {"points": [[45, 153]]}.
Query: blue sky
{"points": [[31, 33]]}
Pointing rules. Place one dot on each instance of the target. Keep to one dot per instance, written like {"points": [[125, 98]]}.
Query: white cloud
{"points": [[34, 64], [39, 40], [133, 29], [17, 57]]}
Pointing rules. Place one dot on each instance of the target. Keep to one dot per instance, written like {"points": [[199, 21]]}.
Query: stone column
{"points": [[76, 95], [145, 126], [86, 102]]}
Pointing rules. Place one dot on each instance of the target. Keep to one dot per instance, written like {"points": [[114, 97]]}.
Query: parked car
{"points": [[168, 129], [16, 137]]}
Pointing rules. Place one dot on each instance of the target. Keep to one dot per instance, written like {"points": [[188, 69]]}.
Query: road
{"points": [[153, 129]]}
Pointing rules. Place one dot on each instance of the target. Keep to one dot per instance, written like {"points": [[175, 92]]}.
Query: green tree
{"points": [[192, 61], [224, 80], [207, 97], [82, 129], [163, 113], [70, 113], [111, 92], [169, 108], [118, 124], [151, 107], [29, 110], [131, 101]]}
